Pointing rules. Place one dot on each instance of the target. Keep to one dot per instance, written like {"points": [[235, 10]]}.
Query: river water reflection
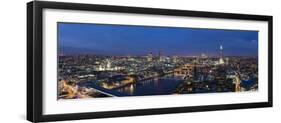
{"points": [[157, 86]]}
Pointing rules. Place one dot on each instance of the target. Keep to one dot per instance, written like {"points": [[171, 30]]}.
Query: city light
{"points": [[119, 61]]}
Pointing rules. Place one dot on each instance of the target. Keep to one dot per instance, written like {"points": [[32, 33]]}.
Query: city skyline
{"points": [[154, 61], [122, 40]]}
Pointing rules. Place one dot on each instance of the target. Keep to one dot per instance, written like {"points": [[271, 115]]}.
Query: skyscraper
{"points": [[149, 57], [161, 58], [221, 61]]}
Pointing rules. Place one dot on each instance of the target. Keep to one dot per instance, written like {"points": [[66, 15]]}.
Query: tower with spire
{"points": [[221, 61]]}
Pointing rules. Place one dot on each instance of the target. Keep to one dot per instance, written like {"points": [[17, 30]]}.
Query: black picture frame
{"points": [[35, 69]]}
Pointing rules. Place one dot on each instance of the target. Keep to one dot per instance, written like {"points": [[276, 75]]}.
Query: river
{"points": [[158, 86]]}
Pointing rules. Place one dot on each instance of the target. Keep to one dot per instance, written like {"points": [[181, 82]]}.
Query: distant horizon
{"points": [[124, 40], [154, 55]]}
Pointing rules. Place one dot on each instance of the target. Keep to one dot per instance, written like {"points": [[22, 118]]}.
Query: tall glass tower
{"points": [[221, 61]]}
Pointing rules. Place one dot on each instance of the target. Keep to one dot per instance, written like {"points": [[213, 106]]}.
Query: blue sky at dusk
{"points": [[123, 40]]}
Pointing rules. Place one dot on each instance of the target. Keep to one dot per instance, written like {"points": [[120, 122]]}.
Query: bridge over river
{"points": [[104, 91]]}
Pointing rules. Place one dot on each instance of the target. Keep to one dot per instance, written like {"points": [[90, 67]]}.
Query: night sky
{"points": [[124, 40]]}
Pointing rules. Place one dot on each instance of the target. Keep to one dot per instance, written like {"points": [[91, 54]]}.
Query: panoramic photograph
{"points": [[106, 60]]}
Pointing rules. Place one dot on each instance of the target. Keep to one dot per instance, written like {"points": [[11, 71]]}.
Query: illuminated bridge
{"points": [[108, 92]]}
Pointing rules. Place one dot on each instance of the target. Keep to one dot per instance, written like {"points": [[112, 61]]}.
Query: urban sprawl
{"points": [[93, 76]]}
